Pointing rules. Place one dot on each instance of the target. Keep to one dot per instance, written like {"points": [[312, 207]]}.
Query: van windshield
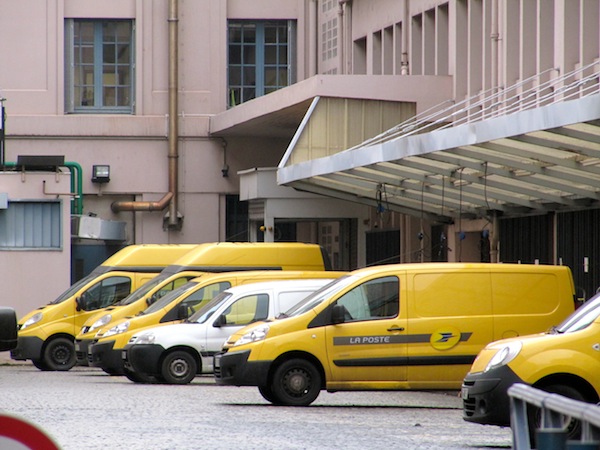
{"points": [[321, 295], [204, 313], [73, 289], [170, 297], [144, 289], [582, 317]]}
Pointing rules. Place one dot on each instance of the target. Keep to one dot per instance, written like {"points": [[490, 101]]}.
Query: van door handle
{"points": [[396, 329]]}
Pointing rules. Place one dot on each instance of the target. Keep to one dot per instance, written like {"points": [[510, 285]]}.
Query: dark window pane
{"points": [[249, 55], [249, 94], [108, 54], [270, 35], [249, 34], [123, 54], [283, 55], [249, 76], [270, 54], [109, 96], [271, 76], [123, 96], [283, 77], [235, 54], [235, 76]]}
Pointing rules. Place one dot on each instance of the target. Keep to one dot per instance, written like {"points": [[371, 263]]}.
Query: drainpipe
{"points": [[343, 30], [405, 36], [170, 198]]}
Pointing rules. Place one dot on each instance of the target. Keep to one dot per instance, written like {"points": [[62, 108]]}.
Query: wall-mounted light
{"points": [[101, 173]]}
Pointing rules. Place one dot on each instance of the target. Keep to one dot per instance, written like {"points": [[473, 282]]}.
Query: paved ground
{"points": [[85, 409]]}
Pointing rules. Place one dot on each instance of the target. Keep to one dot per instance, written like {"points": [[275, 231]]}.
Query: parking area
{"points": [[86, 409]]}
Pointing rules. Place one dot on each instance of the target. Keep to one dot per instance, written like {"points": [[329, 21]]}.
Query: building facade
{"points": [[189, 121]]}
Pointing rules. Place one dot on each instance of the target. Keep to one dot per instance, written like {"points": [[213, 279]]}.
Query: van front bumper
{"points": [[81, 351], [103, 355], [485, 396], [142, 358], [234, 369], [28, 347]]}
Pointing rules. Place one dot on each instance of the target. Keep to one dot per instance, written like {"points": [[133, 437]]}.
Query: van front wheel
{"points": [[60, 354], [179, 367], [296, 382]]}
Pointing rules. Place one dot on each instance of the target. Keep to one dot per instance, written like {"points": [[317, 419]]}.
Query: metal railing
{"points": [[542, 89], [556, 412]]}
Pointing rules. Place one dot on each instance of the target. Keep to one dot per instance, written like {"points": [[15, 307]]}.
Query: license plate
{"points": [[464, 393], [124, 354], [217, 361], [77, 348]]}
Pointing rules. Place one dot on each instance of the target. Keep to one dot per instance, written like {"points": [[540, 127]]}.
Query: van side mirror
{"points": [[78, 303], [220, 321], [182, 312], [8, 329], [338, 313]]}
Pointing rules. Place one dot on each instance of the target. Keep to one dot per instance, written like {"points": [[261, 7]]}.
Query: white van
{"points": [[175, 353]]}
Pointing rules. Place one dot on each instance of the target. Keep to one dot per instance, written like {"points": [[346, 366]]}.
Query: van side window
{"points": [[247, 310], [375, 299], [105, 293], [202, 296]]}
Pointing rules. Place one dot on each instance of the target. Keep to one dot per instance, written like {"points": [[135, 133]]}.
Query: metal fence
{"points": [[556, 411]]}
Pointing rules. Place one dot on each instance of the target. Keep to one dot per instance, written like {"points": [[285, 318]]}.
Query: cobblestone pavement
{"points": [[86, 409]]}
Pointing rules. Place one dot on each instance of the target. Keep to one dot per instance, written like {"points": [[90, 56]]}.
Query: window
{"points": [[247, 310], [261, 58], [99, 66], [27, 225], [375, 299], [105, 293]]}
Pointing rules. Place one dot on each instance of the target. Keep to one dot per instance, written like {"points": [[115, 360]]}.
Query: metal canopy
{"points": [[529, 160]]}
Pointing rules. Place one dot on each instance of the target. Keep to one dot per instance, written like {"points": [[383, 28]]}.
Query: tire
{"points": [[40, 364], [267, 394], [179, 367], [296, 382], [59, 354], [137, 377], [573, 426]]}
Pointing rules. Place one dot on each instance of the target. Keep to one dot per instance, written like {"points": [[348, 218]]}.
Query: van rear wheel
{"points": [[179, 367], [296, 382], [572, 426], [60, 354]]}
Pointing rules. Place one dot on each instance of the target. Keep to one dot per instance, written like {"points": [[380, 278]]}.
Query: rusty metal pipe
{"points": [[170, 198]]}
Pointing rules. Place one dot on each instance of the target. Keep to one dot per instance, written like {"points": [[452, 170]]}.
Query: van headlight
{"points": [[101, 322], [257, 333], [117, 329], [146, 338], [33, 319], [504, 355]]}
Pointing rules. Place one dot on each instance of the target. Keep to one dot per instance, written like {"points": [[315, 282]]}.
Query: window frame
{"points": [[259, 64], [97, 107]]}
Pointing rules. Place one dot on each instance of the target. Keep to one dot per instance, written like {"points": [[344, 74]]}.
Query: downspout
{"points": [[170, 198], [405, 28], [343, 31]]}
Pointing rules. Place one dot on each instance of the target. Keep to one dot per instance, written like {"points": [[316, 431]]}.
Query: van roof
{"points": [[277, 285], [279, 255], [148, 255], [459, 266], [268, 275]]}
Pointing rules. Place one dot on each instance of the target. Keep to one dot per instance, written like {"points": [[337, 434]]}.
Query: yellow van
{"points": [[563, 360], [209, 257], [46, 334], [395, 327], [105, 350]]}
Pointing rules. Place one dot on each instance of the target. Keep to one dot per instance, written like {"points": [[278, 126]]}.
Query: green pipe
{"points": [[76, 184]]}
